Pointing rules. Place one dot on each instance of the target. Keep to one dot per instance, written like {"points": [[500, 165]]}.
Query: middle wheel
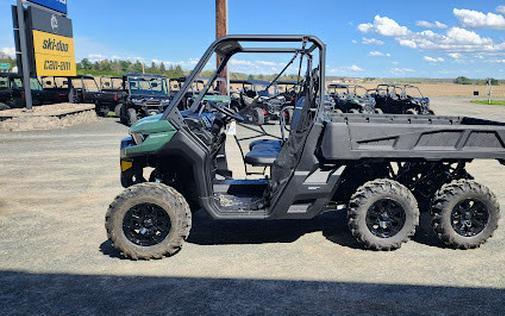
{"points": [[383, 214]]}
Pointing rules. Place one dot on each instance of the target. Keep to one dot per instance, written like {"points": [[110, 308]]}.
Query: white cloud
{"points": [[433, 59], [365, 27], [355, 68], [454, 39], [9, 51], [385, 26], [455, 56], [354, 41], [371, 41], [401, 71], [407, 43], [501, 9], [477, 19], [431, 25], [376, 53], [346, 70]]}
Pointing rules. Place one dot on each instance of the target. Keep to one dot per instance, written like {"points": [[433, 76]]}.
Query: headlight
{"points": [[137, 138]]}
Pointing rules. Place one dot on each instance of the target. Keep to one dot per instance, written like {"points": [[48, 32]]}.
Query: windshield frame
{"points": [[164, 92]]}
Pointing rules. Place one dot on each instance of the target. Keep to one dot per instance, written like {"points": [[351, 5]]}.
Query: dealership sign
{"points": [[56, 5], [54, 54]]}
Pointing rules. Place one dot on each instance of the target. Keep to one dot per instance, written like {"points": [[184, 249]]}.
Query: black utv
{"points": [[145, 95], [401, 99], [12, 94], [382, 170], [76, 89], [352, 99]]}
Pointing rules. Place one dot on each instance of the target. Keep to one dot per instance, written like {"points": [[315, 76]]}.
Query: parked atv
{"points": [[145, 95], [401, 99], [349, 100], [377, 169]]}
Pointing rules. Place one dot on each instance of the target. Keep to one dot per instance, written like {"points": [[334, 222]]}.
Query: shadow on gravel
{"points": [[333, 226], [206, 231], [24, 293]]}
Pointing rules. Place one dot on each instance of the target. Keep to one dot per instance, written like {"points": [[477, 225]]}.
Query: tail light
{"points": [[116, 98]]}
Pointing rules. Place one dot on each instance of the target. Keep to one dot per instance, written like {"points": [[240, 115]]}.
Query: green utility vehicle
{"points": [[380, 168]]}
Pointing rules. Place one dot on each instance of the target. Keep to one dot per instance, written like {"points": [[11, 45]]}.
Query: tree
{"points": [[462, 80], [85, 64]]}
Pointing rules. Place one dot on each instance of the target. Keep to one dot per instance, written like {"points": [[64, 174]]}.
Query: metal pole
{"points": [[489, 91], [221, 31], [24, 55]]}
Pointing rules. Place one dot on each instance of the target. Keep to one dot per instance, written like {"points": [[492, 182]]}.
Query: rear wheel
{"points": [[464, 214], [4, 106], [131, 116], [148, 221], [117, 110], [101, 111], [383, 214]]}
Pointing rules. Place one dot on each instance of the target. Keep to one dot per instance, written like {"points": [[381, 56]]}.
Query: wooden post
{"points": [[221, 31]]}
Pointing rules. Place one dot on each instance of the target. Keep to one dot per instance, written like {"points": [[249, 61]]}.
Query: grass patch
{"points": [[493, 102]]}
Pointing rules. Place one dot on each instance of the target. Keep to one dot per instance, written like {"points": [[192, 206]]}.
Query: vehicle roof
{"points": [[293, 82], [338, 85], [251, 82], [144, 75]]}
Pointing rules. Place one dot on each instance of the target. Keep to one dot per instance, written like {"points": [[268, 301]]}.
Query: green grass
{"points": [[493, 102]]}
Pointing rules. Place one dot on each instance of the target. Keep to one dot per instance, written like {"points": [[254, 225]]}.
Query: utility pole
{"points": [[24, 54], [489, 92], [221, 31]]}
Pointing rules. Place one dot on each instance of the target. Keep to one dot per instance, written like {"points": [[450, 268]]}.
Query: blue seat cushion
{"points": [[263, 152]]}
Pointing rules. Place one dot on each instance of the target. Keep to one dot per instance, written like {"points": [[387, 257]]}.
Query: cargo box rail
{"points": [[431, 138]]}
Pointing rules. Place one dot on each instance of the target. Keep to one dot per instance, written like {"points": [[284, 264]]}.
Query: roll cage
{"points": [[228, 46]]}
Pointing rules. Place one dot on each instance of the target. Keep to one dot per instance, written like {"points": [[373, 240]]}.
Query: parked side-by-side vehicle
{"points": [[383, 169]]}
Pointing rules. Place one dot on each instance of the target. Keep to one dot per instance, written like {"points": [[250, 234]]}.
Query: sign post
{"points": [[44, 41], [24, 54]]}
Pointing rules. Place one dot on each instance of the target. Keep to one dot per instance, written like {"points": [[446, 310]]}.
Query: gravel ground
{"points": [[54, 257]]}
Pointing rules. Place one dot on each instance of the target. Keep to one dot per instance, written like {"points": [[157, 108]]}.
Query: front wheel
{"points": [[148, 221], [464, 214], [383, 214]]}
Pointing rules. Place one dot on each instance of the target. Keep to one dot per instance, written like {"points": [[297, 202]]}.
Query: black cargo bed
{"points": [[432, 138]]}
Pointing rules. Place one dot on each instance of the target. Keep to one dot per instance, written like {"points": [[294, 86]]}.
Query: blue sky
{"points": [[429, 38]]}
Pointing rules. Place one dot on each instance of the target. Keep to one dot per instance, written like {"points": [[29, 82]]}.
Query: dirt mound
{"points": [[34, 122]]}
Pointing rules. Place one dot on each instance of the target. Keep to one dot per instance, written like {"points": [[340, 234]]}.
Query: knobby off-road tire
{"points": [[464, 214], [131, 117], [382, 215], [161, 198]]}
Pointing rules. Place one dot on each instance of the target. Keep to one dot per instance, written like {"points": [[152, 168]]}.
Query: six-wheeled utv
{"points": [[401, 99], [381, 169]]}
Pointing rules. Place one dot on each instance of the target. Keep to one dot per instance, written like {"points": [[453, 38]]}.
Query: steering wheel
{"points": [[227, 112]]}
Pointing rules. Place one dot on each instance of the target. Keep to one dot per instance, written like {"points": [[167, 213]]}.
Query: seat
{"points": [[263, 152]]}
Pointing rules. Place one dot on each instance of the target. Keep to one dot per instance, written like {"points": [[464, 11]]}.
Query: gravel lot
{"points": [[54, 257]]}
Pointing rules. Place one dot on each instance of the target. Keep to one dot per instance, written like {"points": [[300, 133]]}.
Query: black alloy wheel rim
{"points": [[469, 217], [146, 224], [385, 218]]}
